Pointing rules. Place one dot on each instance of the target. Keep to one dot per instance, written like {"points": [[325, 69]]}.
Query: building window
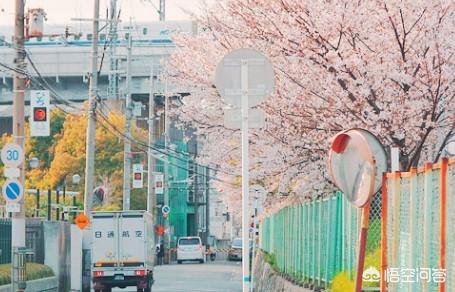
{"points": [[144, 31], [89, 36]]}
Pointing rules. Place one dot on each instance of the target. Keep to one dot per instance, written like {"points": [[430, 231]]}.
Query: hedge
{"points": [[34, 271]]}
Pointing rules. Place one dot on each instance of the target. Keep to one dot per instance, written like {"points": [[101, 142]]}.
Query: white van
{"points": [[190, 249]]}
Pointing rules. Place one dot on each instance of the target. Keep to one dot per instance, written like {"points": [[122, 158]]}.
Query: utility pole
{"points": [[162, 10], [166, 172], [207, 205], [127, 143], [113, 74], [91, 126], [151, 196], [18, 220], [90, 146]]}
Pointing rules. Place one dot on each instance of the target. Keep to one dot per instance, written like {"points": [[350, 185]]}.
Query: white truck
{"points": [[122, 250]]}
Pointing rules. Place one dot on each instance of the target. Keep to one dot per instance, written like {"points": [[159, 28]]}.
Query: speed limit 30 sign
{"points": [[12, 155]]}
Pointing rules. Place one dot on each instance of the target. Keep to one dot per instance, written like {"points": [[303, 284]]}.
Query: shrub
{"points": [[270, 258], [34, 271], [342, 283]]}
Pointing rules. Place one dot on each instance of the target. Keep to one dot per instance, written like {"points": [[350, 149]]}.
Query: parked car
{"points": [[235, 252], [190, 249]]}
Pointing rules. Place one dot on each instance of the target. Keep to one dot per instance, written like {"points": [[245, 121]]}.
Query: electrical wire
{"points": [[115, 131], [160, 150], [45, 85]]}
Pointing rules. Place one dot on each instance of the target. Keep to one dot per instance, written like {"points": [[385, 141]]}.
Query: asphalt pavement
{"points": [[217, 276]]}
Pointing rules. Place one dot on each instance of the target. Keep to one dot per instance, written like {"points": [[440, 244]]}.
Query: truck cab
{"points": [[122, 250]]}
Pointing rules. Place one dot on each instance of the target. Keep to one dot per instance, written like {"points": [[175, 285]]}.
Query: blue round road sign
{"points": [[12, 191], [165, 209]]}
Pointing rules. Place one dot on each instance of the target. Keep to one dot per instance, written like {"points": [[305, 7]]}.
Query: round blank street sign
{"points": [[260, 77], [356, 163]]}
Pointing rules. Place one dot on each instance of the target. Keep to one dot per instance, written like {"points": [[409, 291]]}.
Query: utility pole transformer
{"points": [[127, 143], [18, 220]]}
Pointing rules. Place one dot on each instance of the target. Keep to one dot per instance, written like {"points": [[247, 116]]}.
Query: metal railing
{"points": [[313, 241], [5, 241]]}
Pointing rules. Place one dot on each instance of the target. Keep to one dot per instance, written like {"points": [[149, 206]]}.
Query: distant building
{"points": [[61, 59]]}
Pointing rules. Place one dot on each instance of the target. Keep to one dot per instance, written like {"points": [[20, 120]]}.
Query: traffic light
{"points": [[39, 114]]}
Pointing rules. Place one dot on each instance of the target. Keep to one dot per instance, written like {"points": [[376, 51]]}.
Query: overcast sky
{"points": [[61, 11]]}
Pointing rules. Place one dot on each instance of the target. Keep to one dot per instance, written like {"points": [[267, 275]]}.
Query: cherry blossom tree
{"points": [[383, 65]]}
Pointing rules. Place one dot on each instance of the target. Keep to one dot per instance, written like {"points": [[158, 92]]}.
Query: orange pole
{"points": [[442, 219], [383, 283], [362, 246]]}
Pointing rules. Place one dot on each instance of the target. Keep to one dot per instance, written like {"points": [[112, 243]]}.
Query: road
{"points": [[217, 276]]}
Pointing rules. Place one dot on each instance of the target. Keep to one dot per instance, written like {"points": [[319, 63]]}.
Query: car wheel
{"points": [[179, 262], [201, 261]]}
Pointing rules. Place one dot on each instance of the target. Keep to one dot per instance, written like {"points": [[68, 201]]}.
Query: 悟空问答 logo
{"points": [[371, 275]]}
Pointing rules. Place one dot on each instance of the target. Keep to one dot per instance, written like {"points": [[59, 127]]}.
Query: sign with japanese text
{"points": [[159, 184], [138, 177]]}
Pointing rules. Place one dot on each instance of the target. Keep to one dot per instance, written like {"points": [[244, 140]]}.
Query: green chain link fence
{"points": [[313, 241]]}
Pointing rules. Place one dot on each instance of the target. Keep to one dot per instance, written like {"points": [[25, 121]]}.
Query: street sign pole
{"points": [[253, 253], [245, 178], [254, 72]]}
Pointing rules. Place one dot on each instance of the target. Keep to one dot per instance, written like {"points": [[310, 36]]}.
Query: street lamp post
{"points": [[76, 179]]}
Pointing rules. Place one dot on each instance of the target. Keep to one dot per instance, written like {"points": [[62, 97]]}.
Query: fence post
{"points": [[37, 203], [329, 226], [383, 284], [427, 203], [442, 219], [49, 202], [57, 210], [319, 241], [413, 198], [396, 191]]}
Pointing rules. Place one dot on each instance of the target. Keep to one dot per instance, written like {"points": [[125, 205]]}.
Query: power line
{"points": [[160, 150], [114, 130], [44, 84]]}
